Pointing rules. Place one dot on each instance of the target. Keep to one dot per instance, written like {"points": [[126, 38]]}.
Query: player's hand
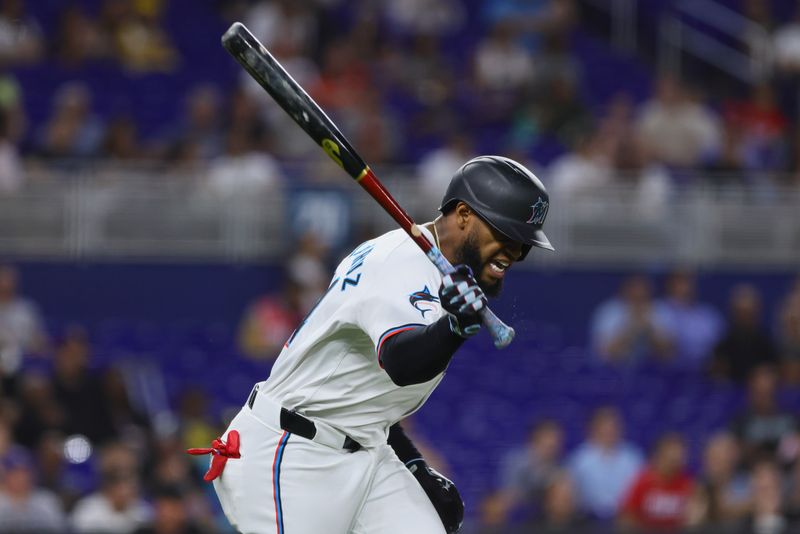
{"points": [[442, 492], [461, 296]]}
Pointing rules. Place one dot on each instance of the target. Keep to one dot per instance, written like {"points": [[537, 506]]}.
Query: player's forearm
{"points": [[402, 445], [418, 355]]}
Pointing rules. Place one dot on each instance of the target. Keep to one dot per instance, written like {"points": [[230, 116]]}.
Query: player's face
{"points": [[489, 254]]}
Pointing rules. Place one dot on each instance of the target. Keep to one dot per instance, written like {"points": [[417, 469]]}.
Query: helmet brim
{"points": [[520, 232]]}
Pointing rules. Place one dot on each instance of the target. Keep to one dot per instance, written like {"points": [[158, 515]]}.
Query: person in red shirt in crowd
{"points": [[658, 499], [269, 322]]}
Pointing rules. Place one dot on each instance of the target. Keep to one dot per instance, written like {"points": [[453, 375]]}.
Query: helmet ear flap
{"points": [[525, 250]]}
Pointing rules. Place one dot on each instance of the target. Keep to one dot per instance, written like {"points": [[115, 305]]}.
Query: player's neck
{"points": [[443, 237]]}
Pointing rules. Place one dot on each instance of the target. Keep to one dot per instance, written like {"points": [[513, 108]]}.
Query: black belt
{"points": [[295, 423]]}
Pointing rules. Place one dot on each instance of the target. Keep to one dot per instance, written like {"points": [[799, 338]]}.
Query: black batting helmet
{"points": [[506, 195]]}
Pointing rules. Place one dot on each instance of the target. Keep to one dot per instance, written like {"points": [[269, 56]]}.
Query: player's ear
{"points": [[463, 215]]}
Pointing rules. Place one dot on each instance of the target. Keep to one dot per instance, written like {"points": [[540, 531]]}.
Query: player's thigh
{"points": [[285, 483], [396, 504]]}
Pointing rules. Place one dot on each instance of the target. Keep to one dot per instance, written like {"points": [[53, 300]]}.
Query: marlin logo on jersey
{"points": [[423, 300], [539, 212]]}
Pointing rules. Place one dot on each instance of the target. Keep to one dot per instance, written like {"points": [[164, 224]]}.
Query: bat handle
{"points": [[501, 333]]}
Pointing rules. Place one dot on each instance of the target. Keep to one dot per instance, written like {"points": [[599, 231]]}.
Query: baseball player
{"points": [[317, 448]]}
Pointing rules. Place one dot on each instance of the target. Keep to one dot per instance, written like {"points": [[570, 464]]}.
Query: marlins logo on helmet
{"points": [[423, 300], [539, 211]]}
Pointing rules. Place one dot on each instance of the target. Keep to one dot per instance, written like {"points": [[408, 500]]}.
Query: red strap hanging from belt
{"points": [[221, 451]]}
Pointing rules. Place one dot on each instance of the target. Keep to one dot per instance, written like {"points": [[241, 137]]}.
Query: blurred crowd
{"points": [[76, 453], [748, 480], [678, 329], [414, 82]]}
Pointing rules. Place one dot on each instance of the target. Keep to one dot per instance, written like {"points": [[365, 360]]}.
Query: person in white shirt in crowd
{"points": [[438, 166], [21, 327], [677, 129], [585, 170], [23, 506], [117, 508]]}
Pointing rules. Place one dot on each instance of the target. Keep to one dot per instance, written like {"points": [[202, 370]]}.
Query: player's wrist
{"points": [[416, 464], [461, 328]]}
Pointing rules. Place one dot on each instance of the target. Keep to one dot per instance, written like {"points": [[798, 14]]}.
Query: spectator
{"points": [[12, 174], [659, 497], [170, 514], [765, 429], [23, 506], [12, 109], [344, 79], [649, 180], [693, 327], [746, 344], [675, 128], [428, 17], [79, 391], [789, 336], [196, 424], [141, 44], [725, 493], [72, 131], [117, 508], [199, 128], [127, 420], [562, 112], [786, 43], [21, 40], [242, 171], [121, 142], [768, 516], [793, 492], [528, 471], [437, 168], [625, 329], [584, 171], [560, 514], [501, 64], [21, 328], [425, 74], [374, 129], [727, 168], [533, 19], [604, 466], [39, 412], [78, 38], [307, 269], [5, 436], [284, 25], [762, 126], [269, 322]]}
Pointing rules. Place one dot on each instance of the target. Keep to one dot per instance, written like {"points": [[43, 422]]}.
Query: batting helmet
{"points": [[504, 194]]}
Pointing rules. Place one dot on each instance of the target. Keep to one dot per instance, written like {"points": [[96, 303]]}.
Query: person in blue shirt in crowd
{"points": [[604, 466], [692, 327], [626, 330]]}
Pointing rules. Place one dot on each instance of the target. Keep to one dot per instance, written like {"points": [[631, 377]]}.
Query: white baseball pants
{"points": [[286, 484]]}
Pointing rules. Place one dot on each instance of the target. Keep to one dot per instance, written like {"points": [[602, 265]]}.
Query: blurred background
{"points": [[164, 226]]}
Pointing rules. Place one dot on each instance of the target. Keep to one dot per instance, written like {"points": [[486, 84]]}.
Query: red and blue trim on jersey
{"points": [[393, 332], [276, 481]]}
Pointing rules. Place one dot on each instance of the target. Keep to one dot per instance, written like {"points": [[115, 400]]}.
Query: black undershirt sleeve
{"points": [[418, 355]]}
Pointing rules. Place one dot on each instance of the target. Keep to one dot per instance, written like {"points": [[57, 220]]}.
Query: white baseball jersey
{"points": [[329, 369]]}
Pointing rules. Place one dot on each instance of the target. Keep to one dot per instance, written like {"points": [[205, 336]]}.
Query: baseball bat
{"points": [[269, 73]]}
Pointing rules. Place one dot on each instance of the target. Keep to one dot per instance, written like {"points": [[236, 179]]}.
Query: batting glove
{"points": [[442, 493], [462, 298]]}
